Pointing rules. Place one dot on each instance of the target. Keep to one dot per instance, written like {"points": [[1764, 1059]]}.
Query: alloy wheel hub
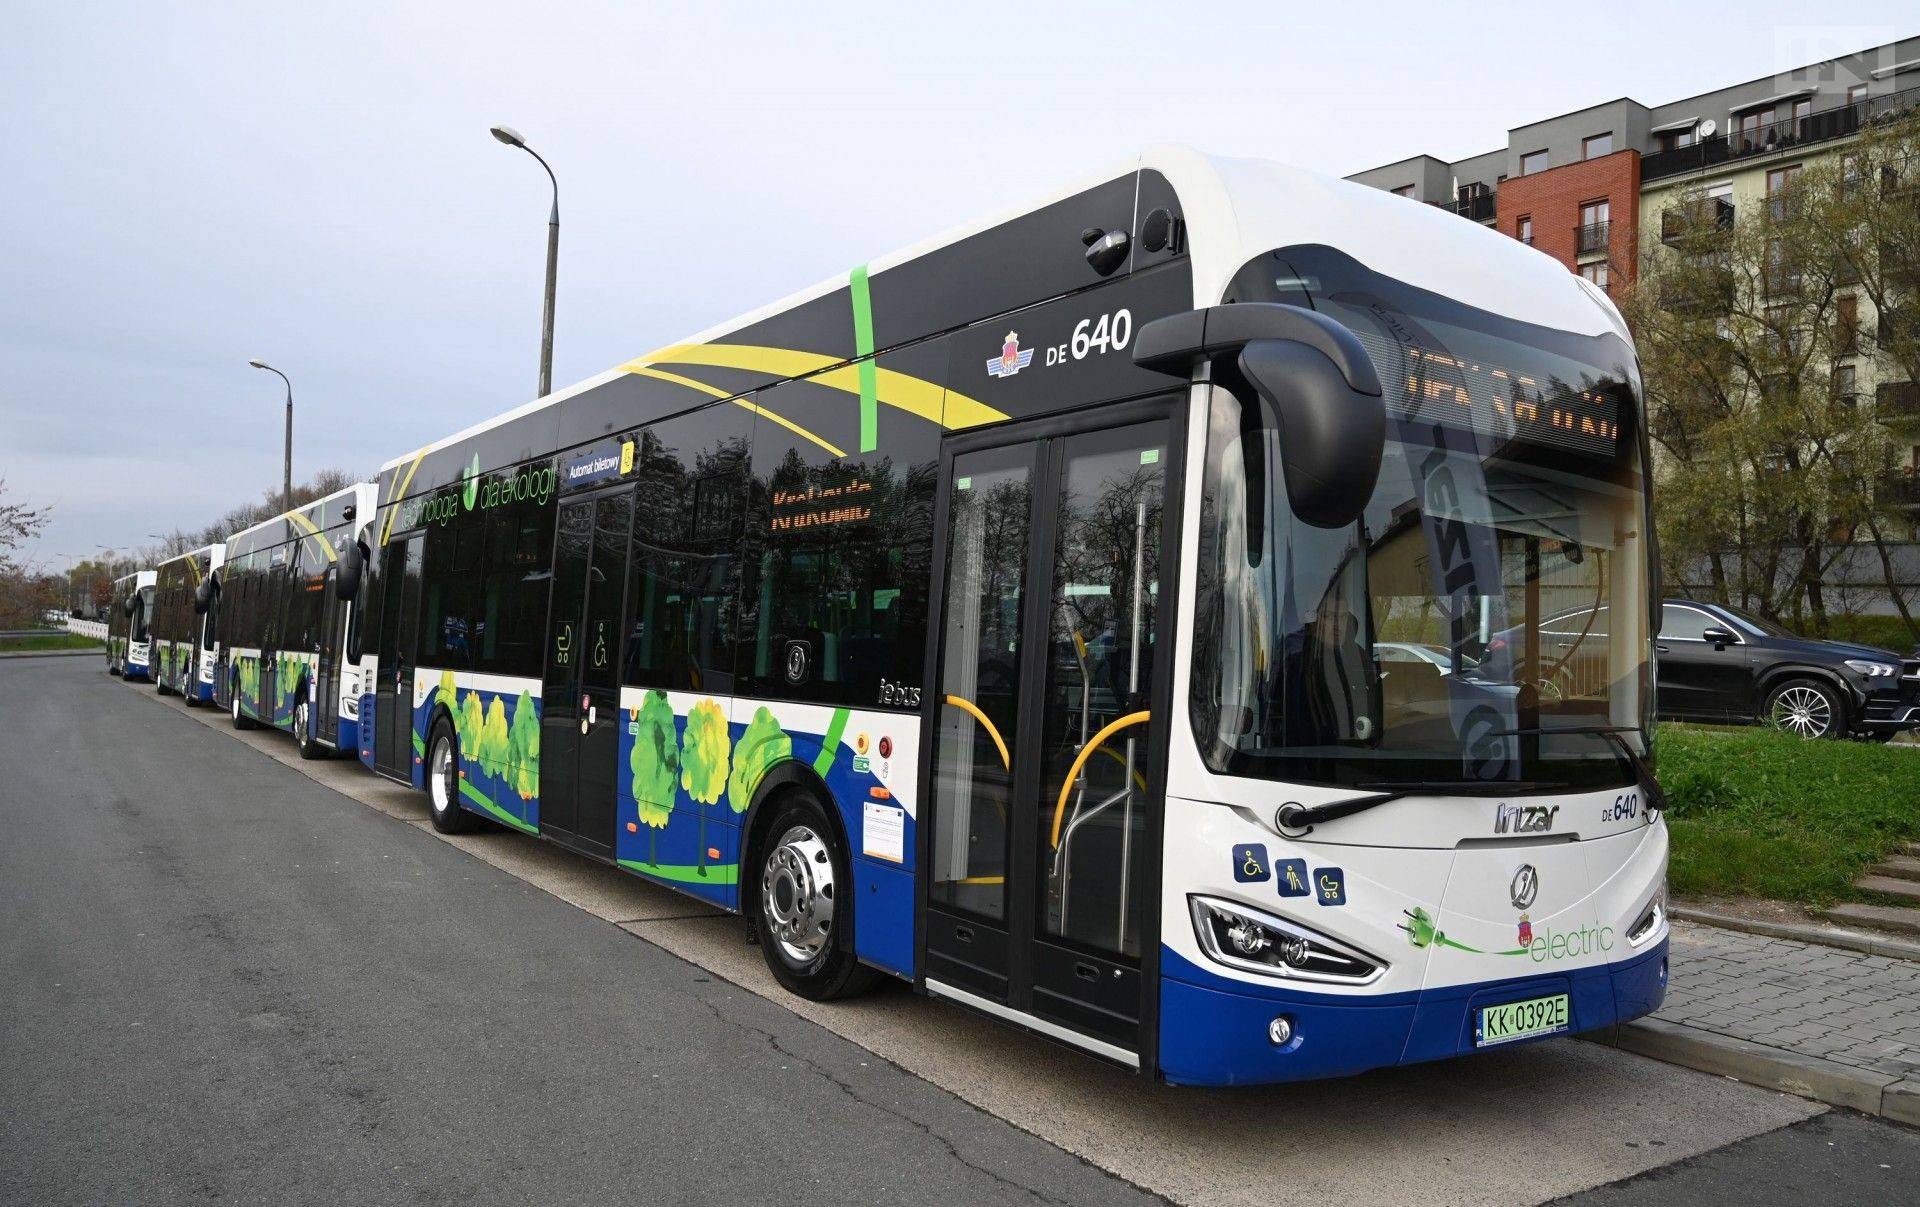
{"points": [[442, 776], [797, 896], [1803, 711]]}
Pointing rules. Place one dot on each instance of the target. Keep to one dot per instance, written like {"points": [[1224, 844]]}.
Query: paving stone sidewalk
{"points": [[1842, 1006]]}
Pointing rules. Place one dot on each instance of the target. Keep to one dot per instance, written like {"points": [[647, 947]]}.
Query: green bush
{"points": [[1887, 632], [1757, 813]]}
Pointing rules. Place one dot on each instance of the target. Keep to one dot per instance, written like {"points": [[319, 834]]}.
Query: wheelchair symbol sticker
{"points": [[1250, 862]]}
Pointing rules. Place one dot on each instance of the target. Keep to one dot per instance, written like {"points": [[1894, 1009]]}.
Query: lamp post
{"points": [[286, 468], [511, 137]]}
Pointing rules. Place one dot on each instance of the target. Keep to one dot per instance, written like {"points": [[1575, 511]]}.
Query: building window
{"points": [[1592, 234], [1673, 140], [1780, 190], [1405, 190], [1844, 385], [1595, 272], [1846, 325], [1534, 161], [1524, 232], [1596, 146], [1801, 110], [1750, 129], [1856, 93]]}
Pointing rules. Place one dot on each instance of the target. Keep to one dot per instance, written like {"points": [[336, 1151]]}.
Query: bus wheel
{"points": [[303, 732], [443, 782], [240, 719], [800, 902]]}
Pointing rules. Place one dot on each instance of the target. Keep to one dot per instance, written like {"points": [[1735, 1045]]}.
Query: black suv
{"points": [[1722, 665]]}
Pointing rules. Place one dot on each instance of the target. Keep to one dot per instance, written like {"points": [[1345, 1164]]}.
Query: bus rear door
{"points": [[399, 629], [580, 698]]}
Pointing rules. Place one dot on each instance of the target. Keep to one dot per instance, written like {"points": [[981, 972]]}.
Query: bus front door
{"points": [[580, 699], [399, 626], [1043, 785], [333, 641]]}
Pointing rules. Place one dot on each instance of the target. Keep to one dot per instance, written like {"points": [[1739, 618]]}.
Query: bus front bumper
{"points": [[1215, 1031]]}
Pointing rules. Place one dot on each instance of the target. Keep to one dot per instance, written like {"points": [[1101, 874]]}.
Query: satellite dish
{"points": [[1707, 128]]}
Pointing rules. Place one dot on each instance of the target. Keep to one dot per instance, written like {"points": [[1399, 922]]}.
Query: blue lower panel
{"points": [[349, 736], [883, 921], [1213, 1031]]}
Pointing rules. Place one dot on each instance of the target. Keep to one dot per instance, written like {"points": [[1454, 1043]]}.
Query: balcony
{"points": [[1590, 238], [1896, 401], [1689, 221], [1473, 206], [1899, 489], [1824, 125]]}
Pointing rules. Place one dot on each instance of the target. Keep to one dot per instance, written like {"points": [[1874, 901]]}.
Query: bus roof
{"points": [[1233, 209]]}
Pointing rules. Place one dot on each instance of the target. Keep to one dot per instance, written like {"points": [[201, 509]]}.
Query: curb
{"points": [[1850, 940], [49, 653], [1881, 1094]]}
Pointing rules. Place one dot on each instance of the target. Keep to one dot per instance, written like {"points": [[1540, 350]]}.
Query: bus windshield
{"points": [[1494, 591]]}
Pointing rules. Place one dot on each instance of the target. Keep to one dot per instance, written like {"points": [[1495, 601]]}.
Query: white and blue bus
{"points": [[1120, 616], [283, 618], [129, 641], [181, 628]]}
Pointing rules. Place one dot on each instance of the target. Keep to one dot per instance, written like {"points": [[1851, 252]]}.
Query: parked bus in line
{"points": [[182, 648], [1120, 616], [283, 622], [128, 639]]}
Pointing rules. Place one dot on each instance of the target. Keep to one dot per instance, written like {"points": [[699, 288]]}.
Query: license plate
{"points": [[1521, 1020]]}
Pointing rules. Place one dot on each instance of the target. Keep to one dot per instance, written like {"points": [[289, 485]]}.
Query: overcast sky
{"points": [[191, 185]]}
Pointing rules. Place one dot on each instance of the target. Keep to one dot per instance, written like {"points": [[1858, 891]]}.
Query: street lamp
{"points": [[511, 137], [286, 468]]}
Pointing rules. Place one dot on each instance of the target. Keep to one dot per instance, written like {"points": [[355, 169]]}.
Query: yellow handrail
{"points": [[973, 710], [1080, 760]]}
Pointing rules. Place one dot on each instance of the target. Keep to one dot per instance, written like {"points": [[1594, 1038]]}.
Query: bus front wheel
{"points": [[443, 782], [303, 732], [800, 902]]}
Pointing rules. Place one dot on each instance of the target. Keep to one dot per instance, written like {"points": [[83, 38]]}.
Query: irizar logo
{"points": [[1524, 819], [471, 476]]}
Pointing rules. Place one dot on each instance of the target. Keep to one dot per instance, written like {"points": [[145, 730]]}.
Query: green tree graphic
{"points": [[762, 746], [471, 720], [447, 695], [655, 763], [523, 749], [703, 761], [492, 751]]}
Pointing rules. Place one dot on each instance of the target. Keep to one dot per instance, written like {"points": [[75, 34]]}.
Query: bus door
{"points": [[333, 642], [1042, 831], [580, 699], [399, 630]]}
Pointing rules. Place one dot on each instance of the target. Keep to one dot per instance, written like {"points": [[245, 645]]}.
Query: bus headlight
{"points": [[1648, 923], [1240, 936]]}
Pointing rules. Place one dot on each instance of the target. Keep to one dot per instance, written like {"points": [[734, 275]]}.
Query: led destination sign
{"points": [[1505, 403]]}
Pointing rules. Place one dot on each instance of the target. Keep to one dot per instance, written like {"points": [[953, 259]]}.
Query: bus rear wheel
{"points": [[800, 902], [443, 782], [240, 718]]}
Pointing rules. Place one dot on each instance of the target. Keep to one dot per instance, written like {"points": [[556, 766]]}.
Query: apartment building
{"points": [[1591, 188]]}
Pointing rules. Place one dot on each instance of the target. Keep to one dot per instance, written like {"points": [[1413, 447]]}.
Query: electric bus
{"points": [[1025, 615], [282, 620], [182, 645], [128, 638]]}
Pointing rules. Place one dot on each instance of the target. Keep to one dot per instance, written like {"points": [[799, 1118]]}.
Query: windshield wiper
{"points": [[1294, 816], [1615, 736]]}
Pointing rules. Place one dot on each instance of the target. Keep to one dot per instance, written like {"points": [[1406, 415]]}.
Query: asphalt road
{"points": [[231, 976]]}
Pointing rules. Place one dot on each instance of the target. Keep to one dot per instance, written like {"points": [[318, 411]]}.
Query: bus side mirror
{"points": [[347, 571], [1313, 372], [127, 604], [1332, 435], [203, 597]]}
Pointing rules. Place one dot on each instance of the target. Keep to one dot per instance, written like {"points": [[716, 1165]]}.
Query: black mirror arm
{"points": [[1176, 343]]}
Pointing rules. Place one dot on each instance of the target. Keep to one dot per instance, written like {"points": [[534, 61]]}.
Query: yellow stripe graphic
{"points": [[314, 530], [704, 388], [399, 493], [947, 408]]}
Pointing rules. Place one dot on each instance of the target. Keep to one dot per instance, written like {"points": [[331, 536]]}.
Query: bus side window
{"points": [[684, 568], [839, 550]]}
